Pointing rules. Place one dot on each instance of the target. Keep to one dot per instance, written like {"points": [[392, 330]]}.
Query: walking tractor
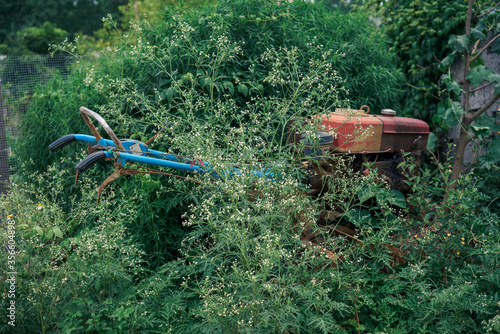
{"points": [[379, 140]]}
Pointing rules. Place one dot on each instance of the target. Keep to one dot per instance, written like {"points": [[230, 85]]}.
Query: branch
{"points": [[484, 108], [481, 87], [485, 47], [473, 162], [489, 11], [457, 76], [475, 46], [469, 18], [467, 60]]}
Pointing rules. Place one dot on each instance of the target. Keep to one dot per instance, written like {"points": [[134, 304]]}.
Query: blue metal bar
{"points": [[86, 138], [162, 159], [158, 162]]}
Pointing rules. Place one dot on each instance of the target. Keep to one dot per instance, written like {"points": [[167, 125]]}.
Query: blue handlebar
{"points": [[138, 152]]}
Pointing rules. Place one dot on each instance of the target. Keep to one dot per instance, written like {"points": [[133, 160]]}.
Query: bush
{"points": [[220, 52], [260, 61], [245, 266], [240, 254]]}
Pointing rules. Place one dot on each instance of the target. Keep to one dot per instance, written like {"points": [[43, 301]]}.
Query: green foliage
{"points": [[158, 70], [488, 176], [65, 261], [475, 125], [153, 10], [244, 268], [38, 40], [231, 255], [420, 33], [195, 65], [73, 16]]}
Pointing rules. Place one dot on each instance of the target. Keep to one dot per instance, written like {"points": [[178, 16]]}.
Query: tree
{"points": [[38, 40], [456, 108], [83, 16], [418, 32]]}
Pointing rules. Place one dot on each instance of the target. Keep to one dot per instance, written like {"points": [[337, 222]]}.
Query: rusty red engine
{"points": [[377, 141]]}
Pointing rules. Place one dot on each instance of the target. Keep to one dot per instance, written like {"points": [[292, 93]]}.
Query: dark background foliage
{"points": [[72, 16]]}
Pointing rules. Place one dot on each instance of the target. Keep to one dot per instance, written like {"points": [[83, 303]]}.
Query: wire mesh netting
{"points": [[18, 79]]}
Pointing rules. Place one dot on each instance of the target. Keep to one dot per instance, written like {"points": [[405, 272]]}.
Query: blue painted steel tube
{"points": [[158, 162], [87, 138], [160, 154], [107, 142], [163, 159]]}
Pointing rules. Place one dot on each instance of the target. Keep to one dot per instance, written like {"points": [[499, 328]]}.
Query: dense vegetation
{"points": [[162, 254], [419, 33]]}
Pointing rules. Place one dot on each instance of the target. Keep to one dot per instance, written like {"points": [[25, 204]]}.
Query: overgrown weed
{"points": [[231, 254]]}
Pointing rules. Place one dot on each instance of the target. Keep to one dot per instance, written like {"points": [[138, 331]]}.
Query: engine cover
{"points": [[357, 131]]}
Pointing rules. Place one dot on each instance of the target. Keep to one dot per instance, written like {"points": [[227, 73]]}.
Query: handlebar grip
{"points": [[61, 142], [90, 160]]}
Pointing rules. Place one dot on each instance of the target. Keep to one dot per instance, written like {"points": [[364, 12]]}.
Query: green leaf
{"points": [[57, 231], [486, 124], [397, 198], [453, 114], [117, 312], [432, 141], [366, 194], [477, 34], [479, 128], [243, 89], [205, 82], [450, 112], [358, 217], [452, 85], [477, 62], [459, 43], [39, 230], [493, 77], [163, 82], [480, 131], [66, 244], [478, 74], [169, 93], [447, 61], [494, 149], [228, 85], [438, 117], [393, 197]]}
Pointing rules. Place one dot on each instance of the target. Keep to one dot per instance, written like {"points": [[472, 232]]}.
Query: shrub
{"points": [[259, 60], [242, 253]]}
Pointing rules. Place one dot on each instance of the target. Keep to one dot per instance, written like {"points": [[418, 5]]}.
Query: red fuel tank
{"points": [[357, 131]]}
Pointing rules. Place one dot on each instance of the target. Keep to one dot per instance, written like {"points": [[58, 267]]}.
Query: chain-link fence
{"points": [[18, 79]]}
